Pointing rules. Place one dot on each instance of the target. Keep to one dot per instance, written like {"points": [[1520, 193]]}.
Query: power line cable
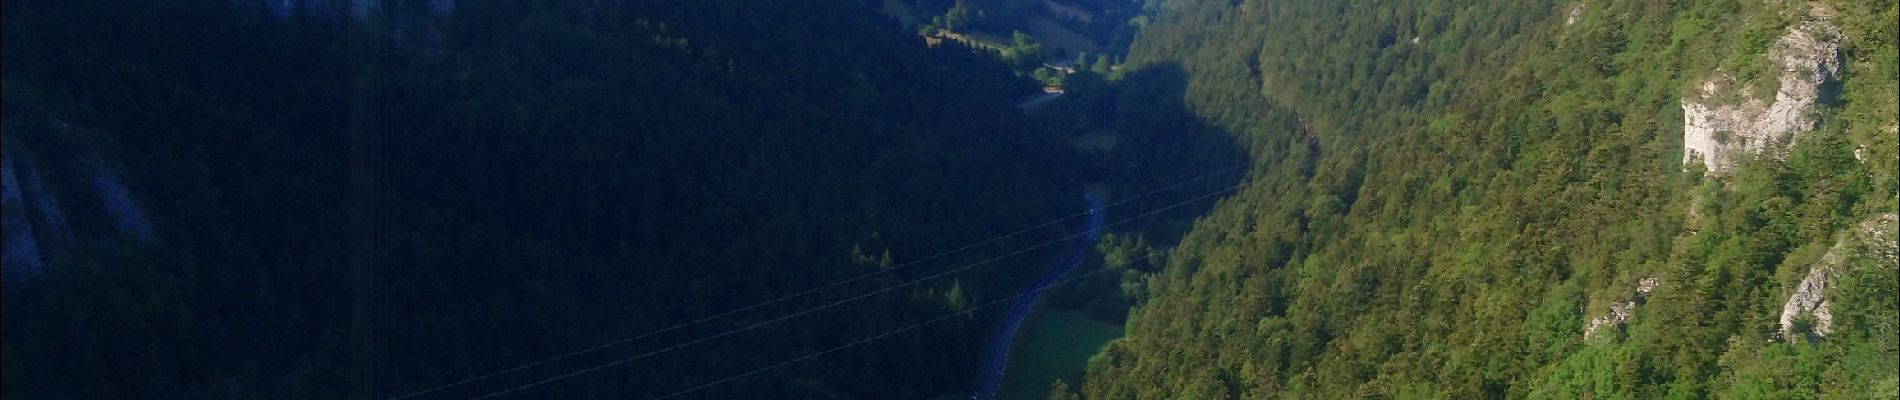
{"points": [[816, 289], [855, 298], [873, 338]]}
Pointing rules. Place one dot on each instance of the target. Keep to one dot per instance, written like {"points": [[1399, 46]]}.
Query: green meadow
{"points": [[1058, 346]]}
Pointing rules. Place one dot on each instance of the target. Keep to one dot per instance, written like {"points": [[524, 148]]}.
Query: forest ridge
{"points": [[844, 199]]}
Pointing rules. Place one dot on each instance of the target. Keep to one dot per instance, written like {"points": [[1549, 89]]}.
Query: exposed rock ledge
{"points": [[1809, 299], [1713, 133], [1620, 312]]}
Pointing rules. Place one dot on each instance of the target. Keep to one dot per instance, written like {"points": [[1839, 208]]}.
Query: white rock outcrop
{"points": [[1713, 133], [1620, 312], [1810, 296], [1808, 300]]}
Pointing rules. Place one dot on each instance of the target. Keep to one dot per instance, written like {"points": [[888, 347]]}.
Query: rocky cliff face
{"points": [[1714, 133], [1620, 312], [1810, 296]]}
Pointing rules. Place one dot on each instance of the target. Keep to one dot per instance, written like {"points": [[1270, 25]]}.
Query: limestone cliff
{"points": [[1872, 238], [1620, 312], [1714, 132]]}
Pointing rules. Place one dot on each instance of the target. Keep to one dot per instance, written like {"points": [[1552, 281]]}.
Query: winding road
{"points": [[996, 357]]}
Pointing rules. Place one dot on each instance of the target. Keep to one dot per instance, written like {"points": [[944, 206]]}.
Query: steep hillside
{"points": [[1490, 200], [532, 178]]}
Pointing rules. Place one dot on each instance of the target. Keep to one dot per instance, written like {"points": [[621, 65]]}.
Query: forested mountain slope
{"points": [[1449, 193], [545, 176]]}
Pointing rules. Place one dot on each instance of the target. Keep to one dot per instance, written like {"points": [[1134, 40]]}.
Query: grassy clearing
{"points": [[1058, 346]]}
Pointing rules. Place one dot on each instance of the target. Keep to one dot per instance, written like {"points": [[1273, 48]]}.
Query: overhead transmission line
{"points": [[876, 337], [802, 293], [640, 356]]}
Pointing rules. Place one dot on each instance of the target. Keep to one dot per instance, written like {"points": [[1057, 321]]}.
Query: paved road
{"points": [[996, 357]]}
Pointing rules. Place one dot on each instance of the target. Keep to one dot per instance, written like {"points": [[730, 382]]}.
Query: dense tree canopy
{"points": [[548, 176], [1434, 199], [1448, 191]]}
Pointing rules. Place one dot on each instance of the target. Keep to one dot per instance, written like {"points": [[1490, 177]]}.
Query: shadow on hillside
{"points": [[1160, 165]]}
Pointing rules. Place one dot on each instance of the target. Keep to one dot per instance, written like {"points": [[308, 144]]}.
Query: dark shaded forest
{"points": [[1430, 199], [544, 176]]}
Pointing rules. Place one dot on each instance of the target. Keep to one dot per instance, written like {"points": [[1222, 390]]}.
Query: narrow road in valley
{"points": [[996, 357]]}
